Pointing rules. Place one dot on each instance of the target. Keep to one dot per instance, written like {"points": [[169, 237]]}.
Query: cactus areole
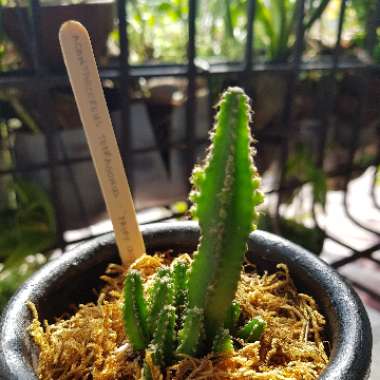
{"points": [[189, 308]]}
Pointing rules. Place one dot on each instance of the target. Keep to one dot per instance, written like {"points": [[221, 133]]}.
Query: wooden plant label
{"points": [[85, 82]]}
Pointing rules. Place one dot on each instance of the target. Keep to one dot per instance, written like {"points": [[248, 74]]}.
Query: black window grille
{"points": [[41, 80]]}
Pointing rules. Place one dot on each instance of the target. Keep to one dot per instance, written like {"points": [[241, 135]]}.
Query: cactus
{"points": [[192, 332], [192, 308], [232, 317], [161, 295], [180, 279], [252, 331], [164, 336], [225, 195], [222, 343], [135, 311]]}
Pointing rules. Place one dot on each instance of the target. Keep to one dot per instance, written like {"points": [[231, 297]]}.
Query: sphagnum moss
{"points": [[92, 343]]}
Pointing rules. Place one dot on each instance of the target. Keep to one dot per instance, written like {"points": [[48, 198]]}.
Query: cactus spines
{"points": [[135, 311], [191, 334], [162, 272], [180, 272], [162, 294], [225, 195], [191, 306], [252, 330], [163, 341]]}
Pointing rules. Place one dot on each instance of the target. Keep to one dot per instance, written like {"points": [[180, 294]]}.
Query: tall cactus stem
{"points": [[225, 194], [198, 301]]}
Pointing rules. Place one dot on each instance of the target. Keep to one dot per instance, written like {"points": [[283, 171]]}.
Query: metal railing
{"points": [[43, 80]]}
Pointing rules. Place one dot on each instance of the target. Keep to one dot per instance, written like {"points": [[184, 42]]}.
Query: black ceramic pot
{"points": [[71, 279]]}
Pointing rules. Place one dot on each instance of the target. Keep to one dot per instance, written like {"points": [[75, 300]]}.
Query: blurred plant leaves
{"points": [[301, 166], [30, 227], [311, 238], [221, 28], [25, 230], [12, 277]]}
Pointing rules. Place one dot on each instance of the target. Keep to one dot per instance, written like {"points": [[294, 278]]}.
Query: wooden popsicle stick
{"points": [[85, 82]]}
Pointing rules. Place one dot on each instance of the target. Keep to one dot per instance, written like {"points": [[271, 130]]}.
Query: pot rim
{"points": [[350, 357]]}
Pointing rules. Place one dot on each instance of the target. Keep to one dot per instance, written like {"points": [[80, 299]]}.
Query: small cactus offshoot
{"points": [[191, 309], [252, 331]]}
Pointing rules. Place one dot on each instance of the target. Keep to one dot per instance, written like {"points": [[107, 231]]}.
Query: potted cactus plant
{"points": [[170, 316], [225, 197]]}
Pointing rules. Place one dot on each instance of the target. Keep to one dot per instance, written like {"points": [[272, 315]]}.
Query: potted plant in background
{"points": [[27, 218], [225, 197], [27, 230]]}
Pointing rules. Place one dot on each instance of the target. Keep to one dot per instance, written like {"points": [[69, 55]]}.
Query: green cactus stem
{"points": [[222, 343], [180, 278], [252, 331], [232, 317], [162, 294], [163, 272], [225, 195], [192, 332], [135, 311], [164, 336]]}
